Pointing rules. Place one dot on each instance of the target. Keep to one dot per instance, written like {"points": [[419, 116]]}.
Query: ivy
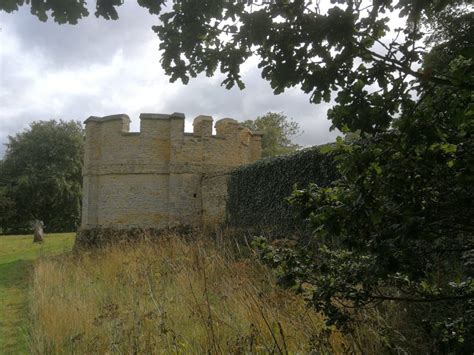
{"points": [[258, 192]]}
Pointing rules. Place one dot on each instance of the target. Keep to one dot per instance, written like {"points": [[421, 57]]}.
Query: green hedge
{"points": [[258, 192]]}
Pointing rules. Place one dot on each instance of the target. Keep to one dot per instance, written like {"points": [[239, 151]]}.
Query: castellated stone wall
{"points": [[160, 177]]}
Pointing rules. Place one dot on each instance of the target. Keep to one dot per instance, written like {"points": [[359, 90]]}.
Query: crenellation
{"points": [[115, 123], [154, 178], [202, 126], [228, 128]]}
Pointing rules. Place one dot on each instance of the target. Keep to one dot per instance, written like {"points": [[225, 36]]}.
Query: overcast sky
{"points": [[99, 67]]}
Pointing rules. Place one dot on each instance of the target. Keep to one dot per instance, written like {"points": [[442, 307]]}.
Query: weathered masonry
{"points": [[160, 177]]}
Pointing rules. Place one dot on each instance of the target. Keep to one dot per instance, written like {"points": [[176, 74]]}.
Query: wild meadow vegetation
{"points": [[170, 296], [174, 294]]}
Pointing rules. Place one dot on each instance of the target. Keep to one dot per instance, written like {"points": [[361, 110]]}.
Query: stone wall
{"points": [[214, 198], [160, 177]]}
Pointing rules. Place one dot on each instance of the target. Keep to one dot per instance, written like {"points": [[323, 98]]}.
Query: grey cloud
{"points": [[76, 107], [203, 97], [91, 40]]}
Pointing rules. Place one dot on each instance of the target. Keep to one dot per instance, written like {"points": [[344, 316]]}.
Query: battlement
{"points": [[158, 170], [155, 122]]}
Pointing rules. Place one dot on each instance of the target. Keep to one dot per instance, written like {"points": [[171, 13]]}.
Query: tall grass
{"points": [[169, 296]]}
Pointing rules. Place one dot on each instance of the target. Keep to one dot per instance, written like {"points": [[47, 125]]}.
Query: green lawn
{"points": [[17, 254]]}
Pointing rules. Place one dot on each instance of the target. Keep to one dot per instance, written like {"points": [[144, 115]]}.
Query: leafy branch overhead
{"points": [[347, 47]]}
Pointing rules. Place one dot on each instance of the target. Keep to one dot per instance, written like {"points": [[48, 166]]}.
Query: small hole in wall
{"points": [[194, 195]]}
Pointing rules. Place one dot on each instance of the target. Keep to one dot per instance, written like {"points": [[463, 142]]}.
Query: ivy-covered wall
{"points": [[257, 193]]}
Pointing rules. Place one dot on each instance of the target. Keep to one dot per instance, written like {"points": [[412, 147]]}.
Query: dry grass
{"points": [[169, 296]]}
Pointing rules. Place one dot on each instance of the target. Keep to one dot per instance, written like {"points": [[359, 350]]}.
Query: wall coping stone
{"points": [[226, 121], [161, 116], [201, 118], [154, 116], [119, 117], [179, 115]]}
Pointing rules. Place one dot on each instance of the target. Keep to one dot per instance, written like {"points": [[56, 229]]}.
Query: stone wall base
{"points": [[100, 237]]}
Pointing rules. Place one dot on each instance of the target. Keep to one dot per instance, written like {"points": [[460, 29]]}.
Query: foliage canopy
{"points": [[278, 133], [40, 177]]}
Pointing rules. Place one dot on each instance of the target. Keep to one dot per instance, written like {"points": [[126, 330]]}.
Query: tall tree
{"points": [[397, 227], [40, 177], [278, 133]]}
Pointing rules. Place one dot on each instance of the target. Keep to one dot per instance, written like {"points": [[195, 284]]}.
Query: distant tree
{"points": [[279, 131], [40, 177], [7, 206]]}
